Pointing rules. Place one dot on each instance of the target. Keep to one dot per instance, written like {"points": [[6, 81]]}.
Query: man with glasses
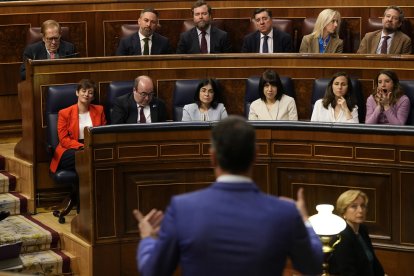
{"points": [[203, 37], [266, 39], [50, 47], [139, 106], [390, 39]]}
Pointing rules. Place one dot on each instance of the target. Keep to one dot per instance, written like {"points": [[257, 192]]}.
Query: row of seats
{"points": [[61, 96], [286, 25]]}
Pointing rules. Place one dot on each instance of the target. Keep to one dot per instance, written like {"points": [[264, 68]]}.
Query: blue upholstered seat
{"points": [[115, 90]]}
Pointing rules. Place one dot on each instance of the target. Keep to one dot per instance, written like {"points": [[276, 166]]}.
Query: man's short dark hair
{"points": [[234, 141], [200, 3], [398, 9], [149, 9], [260, 10]]}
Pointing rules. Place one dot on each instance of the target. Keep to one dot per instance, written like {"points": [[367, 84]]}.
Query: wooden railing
{"points": [[95, 29], [128, 166], [232, 71]]}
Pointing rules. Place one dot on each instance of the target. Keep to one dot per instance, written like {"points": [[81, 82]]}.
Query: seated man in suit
{"points": [[139, 106], [266, 39], [146, 41], [203, 38], [50, 47], [389, 40], [231, 227]]}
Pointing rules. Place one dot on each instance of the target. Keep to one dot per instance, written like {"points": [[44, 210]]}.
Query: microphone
{"points": [[69, 55]]}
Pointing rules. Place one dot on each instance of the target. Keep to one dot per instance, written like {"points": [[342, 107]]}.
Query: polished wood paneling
{"points": [[290, 156], [231, 70]]}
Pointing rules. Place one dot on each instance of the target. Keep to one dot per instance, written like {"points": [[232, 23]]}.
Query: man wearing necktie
{"points": [[266, 39], [203, 37], [390, 39], [146, 41], [140, 105], [50, 47]]}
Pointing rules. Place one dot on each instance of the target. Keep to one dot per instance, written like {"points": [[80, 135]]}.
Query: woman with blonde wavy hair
{"points": [[353, 254], [325, 37]]}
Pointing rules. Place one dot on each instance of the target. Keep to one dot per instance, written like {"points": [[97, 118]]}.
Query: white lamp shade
{"points": [[325, 223]]}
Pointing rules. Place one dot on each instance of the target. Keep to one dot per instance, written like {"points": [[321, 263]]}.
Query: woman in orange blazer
{"points": [[71, 122]]}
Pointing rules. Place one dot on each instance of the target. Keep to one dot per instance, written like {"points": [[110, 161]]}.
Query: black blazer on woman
{"points": [[349, 258]]}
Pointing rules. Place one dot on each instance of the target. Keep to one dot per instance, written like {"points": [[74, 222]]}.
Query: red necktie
{"points": [[384, 46], [203, 45], [142, 119], [52, 55]]}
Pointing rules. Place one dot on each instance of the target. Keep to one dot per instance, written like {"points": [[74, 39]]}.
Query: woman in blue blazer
{"points": [[206, 106]]}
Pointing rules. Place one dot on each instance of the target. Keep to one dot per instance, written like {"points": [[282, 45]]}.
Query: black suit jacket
{"points": [[37, 51], [282, 42], [190, 44], [125, 110], [131, 45], [349, 258]]}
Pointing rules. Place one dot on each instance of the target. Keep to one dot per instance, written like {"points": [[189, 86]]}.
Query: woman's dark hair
{"points": [[216, 95], [272, 78], [329, 98], [86, 84], [397, 91]]}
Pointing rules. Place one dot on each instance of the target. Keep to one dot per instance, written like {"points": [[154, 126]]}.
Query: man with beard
{"points": [[389, 40], [266, 39], [203, 38], [146, 41], [50, 47]]}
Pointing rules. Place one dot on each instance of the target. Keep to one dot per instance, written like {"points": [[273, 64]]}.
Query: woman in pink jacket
{"points": [[387, 104]]}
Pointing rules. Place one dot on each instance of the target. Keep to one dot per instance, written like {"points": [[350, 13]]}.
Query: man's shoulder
{"points": [[372, 34], [133, 36], [281, 34], [124, 97], [35, 46], [160, 37], [252, 35], [215, 30], [402, 35]]}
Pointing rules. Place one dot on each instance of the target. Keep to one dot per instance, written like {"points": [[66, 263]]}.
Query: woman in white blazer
{"points": [[338, 105], [273, 103], [206, 106]]}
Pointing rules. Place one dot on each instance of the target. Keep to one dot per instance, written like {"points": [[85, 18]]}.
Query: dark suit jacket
{"points": [[282, 42], [190, 44], [125, 110], [401, 43], [68, 129], [38, 51], [349, 258], [230, 229], [131, 45]]}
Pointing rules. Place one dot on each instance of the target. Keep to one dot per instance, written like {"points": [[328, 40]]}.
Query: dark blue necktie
{"points": [[265, 48]]}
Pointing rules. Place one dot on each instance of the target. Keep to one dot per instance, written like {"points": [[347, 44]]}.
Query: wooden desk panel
{"points": [[232, 71], [110, 188]]}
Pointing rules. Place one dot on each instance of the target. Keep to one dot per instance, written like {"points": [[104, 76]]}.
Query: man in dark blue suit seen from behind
{"points": [[203, 33], [231, 227], [266, 39], [146, 41], [139, 106], [50, 47]]}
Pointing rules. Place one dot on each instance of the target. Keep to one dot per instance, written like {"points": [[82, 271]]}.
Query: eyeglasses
{"points": [[51, 39], [145, 94]]}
